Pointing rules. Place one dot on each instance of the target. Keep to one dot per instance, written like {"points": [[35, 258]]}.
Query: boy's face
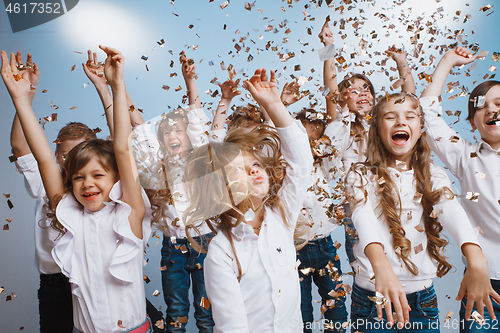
{"points": [[64, 148], [175, 137], [484, 114]]}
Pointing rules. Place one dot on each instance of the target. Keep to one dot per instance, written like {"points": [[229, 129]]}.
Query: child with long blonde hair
{"points": [[100, 207], [400, 203], [253, 201]]}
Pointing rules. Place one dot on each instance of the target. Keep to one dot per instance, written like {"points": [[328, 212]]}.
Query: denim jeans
{"points": [[489, 325], [176, 282], [316, 255], [55, 304], [350, 239], [424, 314]]}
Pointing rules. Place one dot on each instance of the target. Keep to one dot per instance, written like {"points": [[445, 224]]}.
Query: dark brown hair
{"points": [[74, 131], [480, 90]]}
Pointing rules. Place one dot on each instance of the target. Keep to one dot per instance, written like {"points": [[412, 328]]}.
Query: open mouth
{"points": [[90, 196], [175, 146], [494, 120], [400, 137], [362, 102]]}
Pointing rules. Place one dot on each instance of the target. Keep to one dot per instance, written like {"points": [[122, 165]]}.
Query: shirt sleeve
{"points": [[332, 164], [448, 146], [145, 139], [363, 215], [28, 167], [451, 213], [297, 153], [339, 130], [223, 291], [197, 127]]}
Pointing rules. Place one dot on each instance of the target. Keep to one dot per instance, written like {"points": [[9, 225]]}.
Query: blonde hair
{"points": [[390, 205], [205, 175]]}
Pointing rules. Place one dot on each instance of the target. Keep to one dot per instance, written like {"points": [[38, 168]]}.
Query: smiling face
{"points": [[483, 118], [359, 97], [248, 178], [399, 129], [92, 184], [174, 136], [314, 130]]}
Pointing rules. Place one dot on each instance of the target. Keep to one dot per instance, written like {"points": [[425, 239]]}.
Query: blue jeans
{"points": [[490, 325], [316, 255], [350, 235], [175, 282], [424, 314], [55, 304]]}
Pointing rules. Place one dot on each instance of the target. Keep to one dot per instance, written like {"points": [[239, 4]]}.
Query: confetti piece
{"points": [[479, 230], [73, 67], [419, 248], [72, 108], [9, 203], [420, 227], [400, 100], [448, 316], [163, 268], [454, 138], [2, 289], [160, 324], [6, 195], [166, 88], [156, 293], [8, 219], [478, 318], [409, 215], [205, 303], [379, 299], [6, 227], [12, 158], [495, 56], [473, 154], [481, 175], [144, 58], [146, 279], [120, 324], [297, 263], [435, 213], [472, 196], [17, 77], [492, 68]]}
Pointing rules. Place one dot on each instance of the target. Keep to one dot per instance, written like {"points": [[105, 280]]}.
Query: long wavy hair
{"points": [[378, 159], [210, 192]]}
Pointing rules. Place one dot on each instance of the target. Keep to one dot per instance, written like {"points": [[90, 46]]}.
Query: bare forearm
{"points": [[17, 140], [221, 114], [192, 92]]}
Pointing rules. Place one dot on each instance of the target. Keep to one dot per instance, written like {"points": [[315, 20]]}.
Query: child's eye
{"points": [[257, 164], [77, 177], [98, 175]]}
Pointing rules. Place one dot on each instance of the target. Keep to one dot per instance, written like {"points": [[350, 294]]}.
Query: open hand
{"points": [[264, 91], [326, 35], [229, 89], [113, 67], [95, 70], [16, 77]]}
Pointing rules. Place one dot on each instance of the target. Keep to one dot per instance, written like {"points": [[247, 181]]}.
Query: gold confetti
{"points": [[473, 154], [420, 227], [10, 204], [495, 56], [178, 88], [6, 227], [454, 138], [160, 324], [156, 293], [8, 219], [435, 213], [17, 77], [379, 299], [472, 196], [120, 324], [205, 303], [2, 289], [479, 230], [400, 100], [73, 67], [419, 248], [409, 215], [163, 268], [448, 316], [146, 279], [481, 175], [72, 108], [478, 318], [6, 195]]}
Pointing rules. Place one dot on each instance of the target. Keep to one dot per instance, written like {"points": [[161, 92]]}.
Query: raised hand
{"points": [[229, 89], [460, 56], [290, 93], [95, 70], [188, 67], [16, 77], [398, 55], [326, 35], [113, 66], [264, 90]]}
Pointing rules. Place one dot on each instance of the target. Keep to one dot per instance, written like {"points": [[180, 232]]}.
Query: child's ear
{"points": [[472, 124], [56, 154]]}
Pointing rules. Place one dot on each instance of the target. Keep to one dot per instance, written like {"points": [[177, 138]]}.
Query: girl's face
{"points": [[92, 184], [175, 137], [490, 133], [313, 130], [399, 130], [359, 97], [64, 148], [247, 178]]}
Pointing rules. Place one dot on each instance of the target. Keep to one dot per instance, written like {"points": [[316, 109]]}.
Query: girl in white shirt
{"points": [[101, 208], [401, 203], [252, 198]]}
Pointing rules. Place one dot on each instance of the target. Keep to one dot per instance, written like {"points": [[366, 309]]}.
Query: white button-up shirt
{"points": [[45, 236], [477, 168], [373, 228], [267, 299], [151, 174]]}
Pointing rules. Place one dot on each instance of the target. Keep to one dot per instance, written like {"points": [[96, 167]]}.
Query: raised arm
{"points": [[329, 71], [229, 91], [18, 84], [266, 93], [456, 57], [399, 56], [17, 140], [290, 93], [113, 69], [188, 72]]}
